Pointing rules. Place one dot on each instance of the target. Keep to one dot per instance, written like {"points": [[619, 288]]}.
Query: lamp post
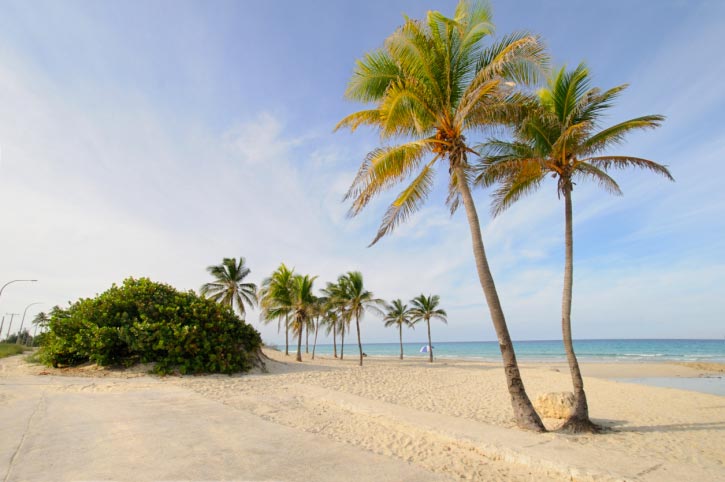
{"points": [[15, 281], [10, 325], [22, 322]]}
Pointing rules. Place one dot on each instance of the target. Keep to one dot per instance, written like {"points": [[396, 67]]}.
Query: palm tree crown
{"points": [[397, 314], [425, 308], [229, 287], [561, 137], [432, 81]]}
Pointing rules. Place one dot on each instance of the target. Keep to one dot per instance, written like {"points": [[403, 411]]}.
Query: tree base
{"points": [[580, 425]]}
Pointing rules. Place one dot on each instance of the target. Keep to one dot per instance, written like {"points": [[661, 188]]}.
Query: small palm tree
{"points": [[303, 306], [561, 138], [397, 314], [357, 301], [338, 314], [276, 300], [229, 287], [425, 308], [434, 82]]}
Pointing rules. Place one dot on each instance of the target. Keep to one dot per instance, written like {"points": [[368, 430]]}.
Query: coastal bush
{"points": [[10, 349], [142, 321]]}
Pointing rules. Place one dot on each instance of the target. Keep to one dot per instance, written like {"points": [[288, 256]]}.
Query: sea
{"points": [[553, 350]]}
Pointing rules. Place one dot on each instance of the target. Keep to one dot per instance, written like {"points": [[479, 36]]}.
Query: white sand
{"points": [[449, 419]]}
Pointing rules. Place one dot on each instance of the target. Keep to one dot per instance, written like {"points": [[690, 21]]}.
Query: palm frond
{"points": [[407, 202], [622, 162], [615, 134]]}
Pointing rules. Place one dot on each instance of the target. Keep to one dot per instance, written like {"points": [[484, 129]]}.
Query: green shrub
{"points": [[142, 321], [10, 349]]}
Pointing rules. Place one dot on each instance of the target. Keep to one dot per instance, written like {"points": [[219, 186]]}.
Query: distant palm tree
{"points": [[357, 300], [303, 306], [561, 138], [425, 308], [434, 82], [397, 314], [276, 300], [229, 286], [337, 305]]}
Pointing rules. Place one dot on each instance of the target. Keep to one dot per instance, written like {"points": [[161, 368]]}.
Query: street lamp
{"points": [[15, 281], [23, 320]]}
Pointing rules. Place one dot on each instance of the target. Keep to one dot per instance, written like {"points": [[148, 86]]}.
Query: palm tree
{"points": [[357, 300], [424, 308], [434, 81], [397, 314], [276, 300], [303, 307], [229, 286], [561, 137], [338, 314]]}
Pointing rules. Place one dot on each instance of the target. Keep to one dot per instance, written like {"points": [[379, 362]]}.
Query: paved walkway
{"points": [[89, 429]]}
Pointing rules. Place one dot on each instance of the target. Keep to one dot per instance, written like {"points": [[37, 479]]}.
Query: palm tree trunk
{"points": [[299, 342], [400, 329], [342, 341], [334, 338], [307, 338], [579, 421], [359, 343], [314, 345], [524, 413], [286, 335], [430, 343]]}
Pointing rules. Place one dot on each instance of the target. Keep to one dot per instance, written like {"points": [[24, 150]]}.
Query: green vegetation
{"points": [[435, 82], [10, 349], [142, 321], [560, 137]]}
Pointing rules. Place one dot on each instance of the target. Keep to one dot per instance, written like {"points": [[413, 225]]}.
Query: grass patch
{"points": [[10, 349]]}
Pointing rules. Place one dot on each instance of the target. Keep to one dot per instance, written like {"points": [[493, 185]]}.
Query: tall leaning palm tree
{"points": [[276, 300], [357, 300], [435, 82], [229, 287], [397, 314], [425, 308], [561, 137], [303, 307]]}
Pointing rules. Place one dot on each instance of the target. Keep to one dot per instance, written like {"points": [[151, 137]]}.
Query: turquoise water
{"points": [[553, 350]]}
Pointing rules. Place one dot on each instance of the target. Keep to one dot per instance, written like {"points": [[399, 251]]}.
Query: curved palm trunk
{"points": [[286, 335], [579, 421], [359, 343], [430, 343], [299, 343], [314, 345], [524, 413], [307, 338], [334, 339], [400, 329]]}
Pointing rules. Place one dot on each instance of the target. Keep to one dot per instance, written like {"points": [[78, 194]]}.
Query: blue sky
{"points": [[155, 138]]}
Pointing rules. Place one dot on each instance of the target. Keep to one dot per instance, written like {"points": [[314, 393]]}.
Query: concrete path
{"points": [[54, 428]]}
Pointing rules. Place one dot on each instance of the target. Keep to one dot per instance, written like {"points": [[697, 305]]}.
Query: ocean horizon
{"points": [[701, 350]]}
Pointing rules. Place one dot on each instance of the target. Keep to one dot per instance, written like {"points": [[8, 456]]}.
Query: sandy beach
{"points": [[331, 420]]}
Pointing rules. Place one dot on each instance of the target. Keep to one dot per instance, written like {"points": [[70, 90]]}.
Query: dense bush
{"points": [[142, 321]]}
